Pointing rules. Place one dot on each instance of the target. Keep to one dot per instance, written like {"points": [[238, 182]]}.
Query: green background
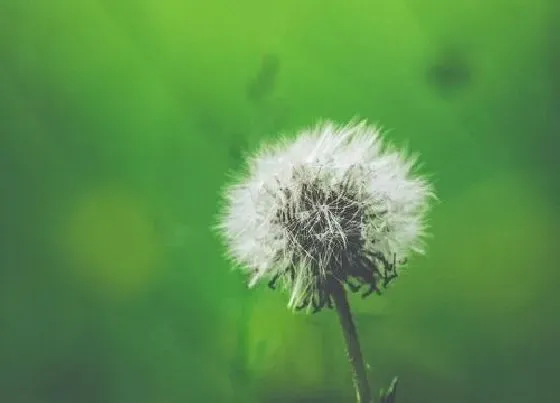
{"points": [[120, 122]]}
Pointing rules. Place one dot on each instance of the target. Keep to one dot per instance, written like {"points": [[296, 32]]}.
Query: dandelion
{"points": [[335, 209]]}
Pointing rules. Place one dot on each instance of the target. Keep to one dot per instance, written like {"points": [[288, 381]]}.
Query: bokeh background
{"points": [[120, 122]]}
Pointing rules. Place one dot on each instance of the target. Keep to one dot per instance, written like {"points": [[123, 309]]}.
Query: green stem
{"points": [[353, 349]]}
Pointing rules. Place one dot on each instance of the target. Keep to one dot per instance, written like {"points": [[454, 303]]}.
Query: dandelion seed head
{"points": [[334, 204]]}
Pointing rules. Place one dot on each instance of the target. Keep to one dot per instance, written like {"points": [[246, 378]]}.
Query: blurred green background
{"points": [[120, 122]]}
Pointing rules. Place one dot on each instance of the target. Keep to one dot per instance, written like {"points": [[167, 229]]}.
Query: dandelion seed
{"points": [[334, 204]]}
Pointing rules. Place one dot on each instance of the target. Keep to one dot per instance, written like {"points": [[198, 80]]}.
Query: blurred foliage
{"points": [[120, 121]]}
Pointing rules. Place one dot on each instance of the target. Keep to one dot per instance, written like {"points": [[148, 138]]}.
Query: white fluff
{"points": [[382, 182]]}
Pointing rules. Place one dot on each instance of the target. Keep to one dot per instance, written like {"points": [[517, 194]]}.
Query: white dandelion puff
{"points": [[334, 203]]}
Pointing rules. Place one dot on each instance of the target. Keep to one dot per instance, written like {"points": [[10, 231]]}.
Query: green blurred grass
{"points": [[119, 123]]}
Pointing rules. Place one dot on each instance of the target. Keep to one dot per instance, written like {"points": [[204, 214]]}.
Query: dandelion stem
{"points": [[353, 349]]}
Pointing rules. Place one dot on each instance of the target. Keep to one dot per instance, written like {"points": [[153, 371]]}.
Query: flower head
{"points": [[334, 204]]}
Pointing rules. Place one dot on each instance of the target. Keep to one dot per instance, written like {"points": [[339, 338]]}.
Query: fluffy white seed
{"points": [[309, 203]]}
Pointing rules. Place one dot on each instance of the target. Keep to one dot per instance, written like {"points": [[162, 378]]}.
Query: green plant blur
{"points": [[119, 123]]}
